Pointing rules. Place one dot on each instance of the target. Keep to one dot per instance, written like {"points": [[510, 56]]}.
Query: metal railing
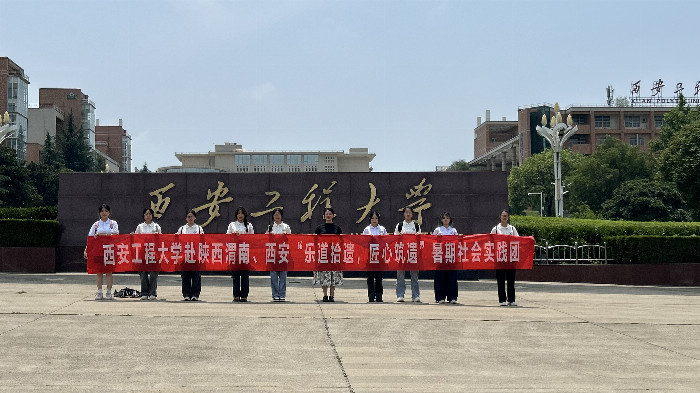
{"points": [[567, 254]]}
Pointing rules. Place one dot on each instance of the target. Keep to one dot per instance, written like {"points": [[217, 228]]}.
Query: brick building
{"points": [[75, 102], [115, 143]]}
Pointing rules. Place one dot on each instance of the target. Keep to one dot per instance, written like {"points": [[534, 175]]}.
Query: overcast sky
{"points": [[406, 79]]}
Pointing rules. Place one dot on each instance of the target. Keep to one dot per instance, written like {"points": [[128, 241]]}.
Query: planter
{"points": [[678, 274]]}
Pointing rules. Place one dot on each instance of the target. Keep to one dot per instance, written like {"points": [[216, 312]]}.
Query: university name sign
{"points": [[657, 98], [662, 101], [474, 200]]}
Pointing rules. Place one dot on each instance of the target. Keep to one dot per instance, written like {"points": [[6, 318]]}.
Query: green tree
{"points": [[16, 189], [74, 149], [44, 179], [642, 200], [537, 175], [99, 163], [49, 155], [678, 152], [594, 179], [456, 166], [146, 170]]}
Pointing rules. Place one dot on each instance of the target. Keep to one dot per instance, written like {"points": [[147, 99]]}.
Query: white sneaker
{"points": [[98, 295], [399, 299], [186, 298], [503, 303], [416, 299], [453, 301], [513, 304], [441, 301], [108, 294], [194, 298], [144, 297], [153, 297]]}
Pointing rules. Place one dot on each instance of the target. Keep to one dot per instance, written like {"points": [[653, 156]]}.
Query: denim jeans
{"points": [[401, 284], [278, 283], [149, 283]]}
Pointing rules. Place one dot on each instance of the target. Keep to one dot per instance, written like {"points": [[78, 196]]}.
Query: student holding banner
{"points": [[445, 281], [241, 278], [375, 289], [278, 279], [105, 226], [330, 278], [407, 226], [149, 280], [503, 275], [191, 279]]}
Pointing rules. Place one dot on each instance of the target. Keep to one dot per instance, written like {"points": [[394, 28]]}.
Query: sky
{"points": [[406, 79]]}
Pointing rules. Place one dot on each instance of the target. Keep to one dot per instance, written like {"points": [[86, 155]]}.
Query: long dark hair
{"points": [[443, 215], [245, 216]]}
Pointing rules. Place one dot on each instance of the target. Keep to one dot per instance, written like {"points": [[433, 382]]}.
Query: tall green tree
{"points": [[456, 166], [537, 175], [49, 155], [16, 189], [74, 149], [644, 200], [595, 178], [678, 153], [44, 178]]}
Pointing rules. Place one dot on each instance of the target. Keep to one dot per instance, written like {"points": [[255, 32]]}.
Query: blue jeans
{"points": [[278, 282], [401, 284]]}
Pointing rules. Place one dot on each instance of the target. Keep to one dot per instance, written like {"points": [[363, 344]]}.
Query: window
{"points": [[579, 139], [310, 159], [310, 169], [276, 159], [636, 140], [602, 121], [632, 121], [658, 121], [12, 91], [329, 168], [601, 138], [329, 159], [242, 159], [293, 169], [242, 169], [293, 159], [494, 140], [259, 159], [579, 119]]}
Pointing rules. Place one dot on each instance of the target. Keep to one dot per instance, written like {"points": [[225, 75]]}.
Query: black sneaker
{"points": [[331, 299], [325, 299]]}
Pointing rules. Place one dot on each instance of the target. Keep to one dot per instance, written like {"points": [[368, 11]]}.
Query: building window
{"points": [[293, 159], [579, 119], [12, 91], [310, 169], [601, 139], [658, 121], [632, 121], [579, 139], [329, 168], [602, 121], [242, 169], [293, 169], [636, 140], [259, 159], [276, 159], [242, 159], [310, 159], [329, 159]]}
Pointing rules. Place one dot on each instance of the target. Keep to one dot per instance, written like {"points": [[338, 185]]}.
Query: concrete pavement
{"points": [[563, 337]]}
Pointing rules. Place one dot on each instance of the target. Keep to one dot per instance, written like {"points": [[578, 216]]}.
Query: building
{"points": [[75, 102], [501, 145], [231, 157], [15, 102], [114, 142], [42, 121]]}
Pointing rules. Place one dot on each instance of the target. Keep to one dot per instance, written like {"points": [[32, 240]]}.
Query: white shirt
{"points": [[371, 230], [407, 227], [441, 230], [505, 230], [148, 228], [280, 228], [186, 229], [108, 227], [239, 227]]}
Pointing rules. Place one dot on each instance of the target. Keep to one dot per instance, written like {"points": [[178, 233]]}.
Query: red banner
{"points": [[267, 252]]}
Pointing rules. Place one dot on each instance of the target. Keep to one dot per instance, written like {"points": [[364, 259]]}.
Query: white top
{"points": [[148, 228], [441, 230], [279, 229], [408, 227], [505, 230], [108, 227], [186, 230], [239, 227], [378, 230]]}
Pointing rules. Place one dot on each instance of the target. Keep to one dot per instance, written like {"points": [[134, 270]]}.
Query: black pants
{"points": [[149, 283], [445, 285], [501, 276], [375, 288], [241, 283], [191, 283]]}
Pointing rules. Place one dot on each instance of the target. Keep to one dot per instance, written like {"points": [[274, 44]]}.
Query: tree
{"points": [[537, 175], [75, 152], [642, 200], [457, 166], [146, 170], [594, 179], [16, 189], [678, 152], [44, 179], [99, 163], [49, 155], [622, 101]]}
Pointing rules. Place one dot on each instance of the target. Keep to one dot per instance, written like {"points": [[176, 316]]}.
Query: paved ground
{"points": [[563, 337]]}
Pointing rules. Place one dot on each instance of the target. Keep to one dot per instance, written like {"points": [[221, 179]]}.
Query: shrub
{"points": [[29, 233], [29, 213], [653, 249]]}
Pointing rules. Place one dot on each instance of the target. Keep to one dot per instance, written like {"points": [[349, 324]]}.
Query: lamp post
{"points": [[541, 202], [556, 134], [6, 129]]}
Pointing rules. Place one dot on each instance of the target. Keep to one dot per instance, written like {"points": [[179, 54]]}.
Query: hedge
{"points": [[29, 213], [653, 249], [556, 230], [29, 233]]}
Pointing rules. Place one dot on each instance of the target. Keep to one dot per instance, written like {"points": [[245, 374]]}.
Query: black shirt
{"points": [[328, 229]]}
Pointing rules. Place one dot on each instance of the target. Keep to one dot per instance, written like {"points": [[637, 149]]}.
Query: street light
{"points": [[541, 203], [556, 134], [6, 129]]}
